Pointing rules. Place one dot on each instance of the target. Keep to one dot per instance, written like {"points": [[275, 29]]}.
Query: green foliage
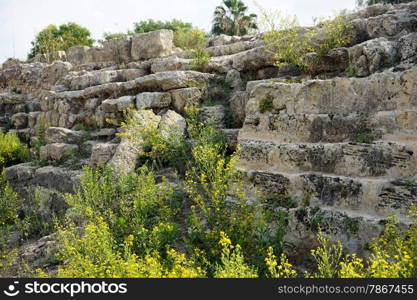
{"points": [[190, 39], [289, 43], [162, 148], [200, 60], [337, 33], [365, 138], [40, 136], [110, 36], [232, 261], [138, 223], [393, 255], [327, 257], [12, 150], [54, 38], [231, 18], [278, 201], [10, 203], [152, 25], [266, 104], [133, 205], [83, 258]]}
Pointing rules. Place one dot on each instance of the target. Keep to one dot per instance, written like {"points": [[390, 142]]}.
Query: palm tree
{"points": [[231, 19]]}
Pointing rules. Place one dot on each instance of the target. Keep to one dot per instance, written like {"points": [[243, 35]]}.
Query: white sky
{"points": [[20, 20]]}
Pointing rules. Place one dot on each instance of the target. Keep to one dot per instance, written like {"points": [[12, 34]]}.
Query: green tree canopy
{"points": [[54, 38], [152, 25], [231, 18]]}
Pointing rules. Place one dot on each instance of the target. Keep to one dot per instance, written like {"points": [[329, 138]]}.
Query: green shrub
{"points": [[365, 138], [289, 43], [266, 104], [40, 136], [337, 33], [12, 150], [190, 39], [10, 202], [152, 25], [200, 60], [159, 149], [60, 38]]}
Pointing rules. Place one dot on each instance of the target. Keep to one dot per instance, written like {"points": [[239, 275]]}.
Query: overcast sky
{"points": [[20, 20]]}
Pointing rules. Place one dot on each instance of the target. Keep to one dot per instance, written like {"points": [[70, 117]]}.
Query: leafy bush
{"points": [[337, 33], [232, 261], [40, 136], [200, 60], [394, 255], [12, 150], [288, 42], [54, 38], [190, 39], [266, 104], [10, 203], [83, 258], [158, 148], [152, 25]]}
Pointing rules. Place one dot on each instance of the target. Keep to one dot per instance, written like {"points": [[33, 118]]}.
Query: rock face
{"points": [[153, 100], [153, 44], [337, 147]]}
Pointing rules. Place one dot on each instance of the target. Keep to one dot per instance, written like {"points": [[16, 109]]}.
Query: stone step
{"points": [[354, 231], [347, 159], [379, 92], [24, 177], [83, 80], [380, 197], [12, 98], [163, 81], [292, 128]]}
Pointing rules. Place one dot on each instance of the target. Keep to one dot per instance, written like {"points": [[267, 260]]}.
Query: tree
{"points": [[372, 2], [152, 25], [61, 38], [230, 18]]}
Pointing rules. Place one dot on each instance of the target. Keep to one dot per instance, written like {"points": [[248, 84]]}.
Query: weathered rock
{"points": [[182, 98], [393, 23], [59, 179], [63, 136], [117, 105], [20, 120], [336, 60], [371, 56], [102, 153], [231, 138], [120, 49], [57, 152], [238, 103], [126, 154], [32, 119], [214, 115], [153, 100], [171, 64], [233, 78], [152, 44], [81, 81], [172, 125], [78, 55], [161, 81], [408, 47]]}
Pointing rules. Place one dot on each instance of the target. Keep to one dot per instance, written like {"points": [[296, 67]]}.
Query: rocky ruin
{"points": [[309, 146]]}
